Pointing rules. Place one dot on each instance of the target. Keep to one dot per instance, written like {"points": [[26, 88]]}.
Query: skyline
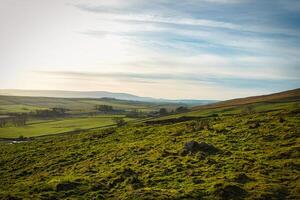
{"points": [[200, 49]]}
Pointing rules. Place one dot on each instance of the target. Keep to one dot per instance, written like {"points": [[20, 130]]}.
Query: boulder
{"points": [[66, 186], [194, 147], [233, 192], [242, 178]]}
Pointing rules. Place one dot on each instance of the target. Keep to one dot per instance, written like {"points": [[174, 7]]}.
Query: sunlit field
{"points": [[58, 126]]}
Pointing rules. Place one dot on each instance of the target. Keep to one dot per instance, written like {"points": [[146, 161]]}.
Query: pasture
{"points": [[12, 104], [48, 127]]}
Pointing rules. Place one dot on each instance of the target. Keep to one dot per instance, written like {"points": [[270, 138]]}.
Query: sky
{"points": [[193, 49]]}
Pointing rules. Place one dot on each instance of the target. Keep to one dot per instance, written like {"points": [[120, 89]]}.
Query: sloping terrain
{"points": [[246, 155], [286, 96], [274, 102]]}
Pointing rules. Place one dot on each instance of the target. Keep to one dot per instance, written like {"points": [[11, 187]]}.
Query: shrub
{"points": [[119, 121]]}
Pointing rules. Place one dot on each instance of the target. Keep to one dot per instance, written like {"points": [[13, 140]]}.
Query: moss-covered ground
{"points": [[255, 156]]}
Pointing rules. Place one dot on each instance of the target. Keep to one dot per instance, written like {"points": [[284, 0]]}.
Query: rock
{"points": [[98, 187], [231, 192], [208, 148], [242, 178], [66, 186], [191, 146], [9, 197], [254, 125], [128, 177], [167, 153], [143, 162], [127, 172], [281, 120], [227, 153], [194, 147], [134, 181], [198, 181], [270, 138]]}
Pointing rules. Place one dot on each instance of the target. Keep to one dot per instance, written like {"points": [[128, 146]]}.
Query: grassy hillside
{"points": [[235, 155], [279, 101], [286, 96]]}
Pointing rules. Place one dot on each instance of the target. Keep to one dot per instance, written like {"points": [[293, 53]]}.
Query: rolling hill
{"points": [[286, 96], [97, 94], [13, 104]]}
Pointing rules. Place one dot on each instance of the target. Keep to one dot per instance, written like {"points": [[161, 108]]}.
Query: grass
{"points": [[286, 96], [38, 128], [256, 156], [234, 110], [19, 108], [10, 104]]}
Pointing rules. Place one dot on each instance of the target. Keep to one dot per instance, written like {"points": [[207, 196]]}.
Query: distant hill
{"points": [[290, 95], [97, 94]]}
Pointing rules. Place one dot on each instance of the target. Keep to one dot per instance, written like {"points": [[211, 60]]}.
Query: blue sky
{"points": [[205, 49]]}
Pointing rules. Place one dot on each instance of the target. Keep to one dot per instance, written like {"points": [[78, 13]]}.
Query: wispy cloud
{"points": [[188, 14], [146, 47], [206, 78], [178, 25], [225, 1]]}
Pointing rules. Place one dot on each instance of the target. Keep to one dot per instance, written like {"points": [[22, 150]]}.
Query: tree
{"points": [[134, 114], [163, 111], [20, 119], [59, 111], [248, 110], [119, 121], [181, 109], [104, 108], [93, 114], [3, 122], [54, 112]]}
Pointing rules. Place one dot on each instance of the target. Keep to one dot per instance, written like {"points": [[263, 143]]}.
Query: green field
{"points": [[10, 105], [49, 127]]}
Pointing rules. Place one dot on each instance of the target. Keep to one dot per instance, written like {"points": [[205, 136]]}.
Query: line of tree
{"points": [[54, 112], [3, 122], [15, 120], [136, 114], [104, 108], [164, 111], [181, 109], [20, 119]]}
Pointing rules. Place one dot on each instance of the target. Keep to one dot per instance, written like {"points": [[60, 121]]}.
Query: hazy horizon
{"points": [[35, 93], [198, 49]]}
